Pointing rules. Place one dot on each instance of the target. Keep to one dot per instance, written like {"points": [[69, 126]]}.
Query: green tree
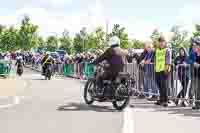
{"points": [[81, 41], [120, 32], [78, 43], [155, 36], [186, 44], [66, 42], [28, 37], [52, 43], [41, 44], [9, 39], [197, 32], [179, 37], [2, 27], [96, 39], [92, 41], [137, 44], [100, 36]]}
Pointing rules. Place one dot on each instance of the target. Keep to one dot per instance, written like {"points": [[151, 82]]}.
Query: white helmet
{"points": [[19, 57], [114, 41]]}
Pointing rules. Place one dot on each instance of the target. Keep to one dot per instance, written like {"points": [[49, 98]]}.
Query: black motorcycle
{"points": [[48, 72], [118, 91], [20, 69]]}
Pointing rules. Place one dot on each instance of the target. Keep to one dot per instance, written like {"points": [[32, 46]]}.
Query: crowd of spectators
{"points": [[159, 73]]}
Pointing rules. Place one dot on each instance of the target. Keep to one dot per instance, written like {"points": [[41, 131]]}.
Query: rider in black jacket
{"points": [[47, 60]]}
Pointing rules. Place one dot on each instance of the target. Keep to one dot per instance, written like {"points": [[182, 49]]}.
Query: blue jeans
{"points": [[150, 86]]}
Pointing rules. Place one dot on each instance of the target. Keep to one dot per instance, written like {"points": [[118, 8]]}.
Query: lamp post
{"points": [[84, 37]]}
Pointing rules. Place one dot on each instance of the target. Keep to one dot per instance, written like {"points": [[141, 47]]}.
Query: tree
{"points": [[179, 37], [41, 44], [2, 27], [100, 38], [9, 39], [197, 32], [66, 42], [120, 32], [136, 44], [78, 45], [92, 42], [52, 43], [28, 37], [96, 39], [155, 36], [81, 41]]}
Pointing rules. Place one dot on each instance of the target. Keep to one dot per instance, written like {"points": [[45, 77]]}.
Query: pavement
{"points": [[57, 105]]}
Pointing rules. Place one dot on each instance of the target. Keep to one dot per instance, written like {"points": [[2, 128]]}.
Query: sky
{"points": [[139, 17]]}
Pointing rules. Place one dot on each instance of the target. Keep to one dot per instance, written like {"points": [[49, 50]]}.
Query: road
{"points": [[57, 106]]}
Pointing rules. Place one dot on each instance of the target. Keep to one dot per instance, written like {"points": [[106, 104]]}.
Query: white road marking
{"points": [[16, 99], [128, 124], [15, 102]]}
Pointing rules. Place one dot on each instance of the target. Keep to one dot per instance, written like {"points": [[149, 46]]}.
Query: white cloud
{"points": [[57, 3], [93, 16], [189, 16], [8, 20]]}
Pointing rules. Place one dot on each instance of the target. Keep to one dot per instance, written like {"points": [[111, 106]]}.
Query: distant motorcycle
{"points": [[48, 72], [118, 91], [20, 68]]}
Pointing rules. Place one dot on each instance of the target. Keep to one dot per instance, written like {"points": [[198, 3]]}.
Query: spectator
{"points": [[183, 73], [149, 76], [196, 72], [141, 70], [162, 67], [191, 61]]}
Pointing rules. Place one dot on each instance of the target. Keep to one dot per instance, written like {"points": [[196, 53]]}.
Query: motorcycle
{"points": [[118, 91], [48, 72], [20, 69]]}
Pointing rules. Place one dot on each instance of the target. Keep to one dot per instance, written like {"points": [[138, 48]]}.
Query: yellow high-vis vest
{"points": [[160, 59]]}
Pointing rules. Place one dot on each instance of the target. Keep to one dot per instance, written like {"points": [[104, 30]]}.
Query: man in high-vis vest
{"points": [[47, 60], [162, 69]]}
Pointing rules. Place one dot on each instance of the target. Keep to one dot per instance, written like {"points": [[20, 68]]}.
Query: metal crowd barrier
{"points": [[79, 70], [183, 82]]}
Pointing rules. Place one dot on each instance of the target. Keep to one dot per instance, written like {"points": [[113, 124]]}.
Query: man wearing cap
{"points": [[162, 69]]}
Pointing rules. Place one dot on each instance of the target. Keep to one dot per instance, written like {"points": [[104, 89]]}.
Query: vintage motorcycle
{"points": [[117, 91], [48, 72]]}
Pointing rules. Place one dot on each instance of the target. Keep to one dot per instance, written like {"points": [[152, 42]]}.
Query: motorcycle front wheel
{"points": [[87, 94]]}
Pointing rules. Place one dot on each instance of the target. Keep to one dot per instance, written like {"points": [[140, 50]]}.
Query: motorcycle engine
{"points": [[121, 90]]}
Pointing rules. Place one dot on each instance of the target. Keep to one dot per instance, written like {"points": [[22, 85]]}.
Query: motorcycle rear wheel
{"points": [[122, 103], [123, 106]]}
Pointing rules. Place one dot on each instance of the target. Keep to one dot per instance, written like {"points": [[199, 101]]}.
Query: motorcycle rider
{"points": [[19, 63], [115, 57], [19, 60], [47, 60]]}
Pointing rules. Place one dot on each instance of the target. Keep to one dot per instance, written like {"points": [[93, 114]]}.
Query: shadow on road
{"points": [[181, 111], [38, 79], [184, 111], [85, 107]]}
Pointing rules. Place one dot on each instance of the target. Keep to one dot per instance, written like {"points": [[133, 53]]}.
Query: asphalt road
{"points": [[57, 106]]}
